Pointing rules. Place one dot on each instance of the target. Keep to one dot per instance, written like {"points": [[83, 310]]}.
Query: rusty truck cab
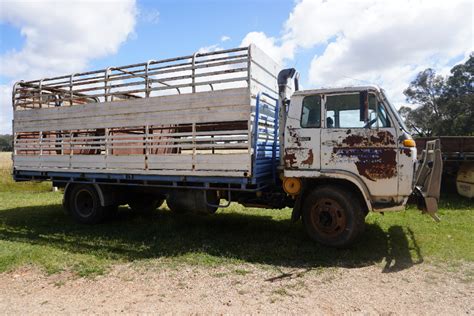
{"points": [[346, 152], [329, 134]]}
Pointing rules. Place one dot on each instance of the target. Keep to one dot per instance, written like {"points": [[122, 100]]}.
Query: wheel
{"points": [[175, 205], [145, 204], [84, 205], [192, 201], [333, 217]]}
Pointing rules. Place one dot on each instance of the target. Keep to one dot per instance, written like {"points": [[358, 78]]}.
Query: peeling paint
{"points": [[382, 138], [309, 160], [289, 158], [406, 151], [353, 140], [292, 132], [371, 163]]}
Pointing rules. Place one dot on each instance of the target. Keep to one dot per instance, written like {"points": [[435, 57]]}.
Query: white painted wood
{"points": [[125, 162], [229, 162], [88, 161], [213, 173], [170, 162], [54, 161], [205, 115], [199, 100]]}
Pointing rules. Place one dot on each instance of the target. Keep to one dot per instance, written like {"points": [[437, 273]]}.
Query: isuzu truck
{"points": [[204, 130]]}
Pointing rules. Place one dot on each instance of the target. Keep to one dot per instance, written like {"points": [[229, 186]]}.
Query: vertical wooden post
{"points": [[194, 144], [41, 143], [70, 90]]}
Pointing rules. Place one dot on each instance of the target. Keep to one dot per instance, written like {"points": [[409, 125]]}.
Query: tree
{"points": [[445, 105], [6, 143]]}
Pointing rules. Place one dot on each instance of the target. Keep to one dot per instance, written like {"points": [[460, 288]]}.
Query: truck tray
{"points": [[204, 115]]}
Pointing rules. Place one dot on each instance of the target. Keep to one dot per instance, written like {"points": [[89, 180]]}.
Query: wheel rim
{"points": [[84, 203], [328, 217]]}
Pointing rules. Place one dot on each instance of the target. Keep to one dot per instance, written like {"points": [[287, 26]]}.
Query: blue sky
{"points": [[331, 43]]}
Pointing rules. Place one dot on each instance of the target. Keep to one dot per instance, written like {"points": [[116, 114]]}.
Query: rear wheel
{"points": [[84, 205], [332, 216]]}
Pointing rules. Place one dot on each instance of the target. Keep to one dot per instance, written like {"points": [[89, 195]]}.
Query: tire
{"points": [[145, 204], [84, 205], [333, 217]]}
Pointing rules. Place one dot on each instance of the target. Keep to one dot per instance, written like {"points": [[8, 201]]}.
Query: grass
{"points": [[34, 231]]}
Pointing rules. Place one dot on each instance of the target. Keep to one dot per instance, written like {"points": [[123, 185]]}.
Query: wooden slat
{"points": [[170, 162], [215, 173], [236, 113], [221, 98], [230, 162]]}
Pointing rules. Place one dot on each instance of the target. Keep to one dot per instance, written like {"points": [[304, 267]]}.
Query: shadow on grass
{"points": [[212, 239]]}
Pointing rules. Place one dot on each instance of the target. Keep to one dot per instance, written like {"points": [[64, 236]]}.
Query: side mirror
{"points": [[364, 106]]}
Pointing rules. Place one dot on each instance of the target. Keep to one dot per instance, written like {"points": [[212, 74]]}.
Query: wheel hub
{"points": [[84, 203], [328, 217]]}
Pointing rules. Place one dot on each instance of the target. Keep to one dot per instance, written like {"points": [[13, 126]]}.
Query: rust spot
{"points": [[294, 135], [382, 138], [309, 160], [290, 159], [406, 151], [372, 163], [353, 140]]}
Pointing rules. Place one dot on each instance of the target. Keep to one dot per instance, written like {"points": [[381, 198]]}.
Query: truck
{"points": [[458, 161], [208, 129]]}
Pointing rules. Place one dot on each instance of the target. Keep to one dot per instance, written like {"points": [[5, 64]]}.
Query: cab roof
{"points": [[338, 90]]}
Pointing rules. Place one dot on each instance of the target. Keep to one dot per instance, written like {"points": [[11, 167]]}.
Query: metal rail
{"points": [[187, 74]]}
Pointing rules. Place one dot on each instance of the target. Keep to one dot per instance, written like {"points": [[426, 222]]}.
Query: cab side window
{"points": [[342, 111], [311, 112]]}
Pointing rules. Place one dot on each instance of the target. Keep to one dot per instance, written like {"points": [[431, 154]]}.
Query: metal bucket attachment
{"points": [[428, 178]]}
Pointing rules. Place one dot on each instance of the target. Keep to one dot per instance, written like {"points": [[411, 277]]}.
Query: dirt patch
{"points": [[421, 289]]}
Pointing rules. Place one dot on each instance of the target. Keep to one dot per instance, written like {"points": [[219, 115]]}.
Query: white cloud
{"points": [[150, 16], [61, 37], [225, 38], [270, 45], [209, 49], [381, 42]]}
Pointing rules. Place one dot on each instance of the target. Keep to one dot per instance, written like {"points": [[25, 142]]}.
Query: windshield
{"points": [[395, 112]]}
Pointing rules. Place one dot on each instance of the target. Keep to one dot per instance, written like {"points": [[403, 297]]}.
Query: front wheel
{"points": [[84, 205], [332, 216]]}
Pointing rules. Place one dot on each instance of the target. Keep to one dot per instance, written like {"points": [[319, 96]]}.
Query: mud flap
{"points": [[428, 179]]}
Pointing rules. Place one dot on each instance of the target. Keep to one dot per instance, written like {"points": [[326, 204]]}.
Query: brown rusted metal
{"points": [[382, 138], [372, 163], [309, 160], [328, 217], [293, 133], [406, 151], [375, 156], [289, 158]]}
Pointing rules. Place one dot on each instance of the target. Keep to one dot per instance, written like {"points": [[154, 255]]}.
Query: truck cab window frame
{"points": [[342, 112], [311, 111]]}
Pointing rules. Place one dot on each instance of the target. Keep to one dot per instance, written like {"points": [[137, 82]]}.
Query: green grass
{"points": [[34, 231]]}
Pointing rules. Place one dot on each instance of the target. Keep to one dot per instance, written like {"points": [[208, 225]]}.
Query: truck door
{"points": [[302, 133], [367, 149]]}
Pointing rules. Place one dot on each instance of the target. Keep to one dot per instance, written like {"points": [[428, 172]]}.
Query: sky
{"points": [[331, 43]]}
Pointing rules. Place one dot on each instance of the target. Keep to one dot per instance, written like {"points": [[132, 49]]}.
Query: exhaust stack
{"points": [[284, 101]]}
